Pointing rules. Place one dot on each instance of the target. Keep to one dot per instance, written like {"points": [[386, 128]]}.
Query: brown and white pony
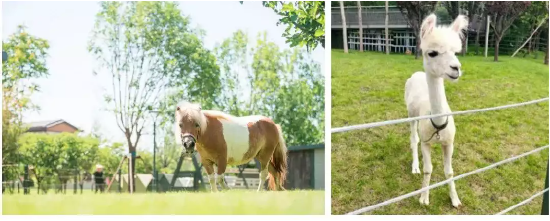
{"points": [[222, 139]]}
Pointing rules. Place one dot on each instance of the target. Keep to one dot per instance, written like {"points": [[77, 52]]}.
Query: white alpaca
{"points": [[425, 94]]}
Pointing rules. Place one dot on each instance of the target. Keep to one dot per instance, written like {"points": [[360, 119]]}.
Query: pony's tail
{"points": [[279, 162]]}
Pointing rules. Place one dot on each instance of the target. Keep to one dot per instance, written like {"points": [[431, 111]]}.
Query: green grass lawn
{"points": [[373, 165], [227, 202]]}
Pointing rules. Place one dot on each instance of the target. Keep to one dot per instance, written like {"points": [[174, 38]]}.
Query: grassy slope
{"points": [[374, 165], [228, 202]]}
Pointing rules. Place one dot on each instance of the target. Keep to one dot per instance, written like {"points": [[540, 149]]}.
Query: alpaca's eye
{"points": [[196, 125], [433, 54]]}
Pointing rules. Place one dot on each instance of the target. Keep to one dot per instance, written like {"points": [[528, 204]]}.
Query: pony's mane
{"points": [[442, 37], [194, 112]]}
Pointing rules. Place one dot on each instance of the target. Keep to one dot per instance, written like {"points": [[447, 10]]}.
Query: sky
{"points": [[72, 93]]}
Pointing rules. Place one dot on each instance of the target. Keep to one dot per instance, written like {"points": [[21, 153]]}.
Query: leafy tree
{"points": [[110, 156], [149, 48], [169, 153], [27, 60], [472, 8], [503, 14], [531, 23], [44, 153], [363, 3], [285, 85], [415, 12], [57, 156], [305, 21]]}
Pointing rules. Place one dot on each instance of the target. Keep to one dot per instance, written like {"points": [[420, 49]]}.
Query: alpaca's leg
{"points": [[426, 156], [414, 146], [448, 167]]}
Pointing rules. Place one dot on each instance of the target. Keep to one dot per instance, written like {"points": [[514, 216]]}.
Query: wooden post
{"points": [[117, 171], [75, 181], [387, 30], [176, 172], [487, 34], [198, 171], [130, 174], [26, 181], [120, 181], [531, 36], [545, 195]]}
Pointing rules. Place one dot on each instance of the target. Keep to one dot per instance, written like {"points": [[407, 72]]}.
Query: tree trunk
{"points": [[546, 51], [387, 34], [477, 39], [131, 163], [360, 27], [465, 39], [344, 27], [417, 51], [547, 38], [131, 174], [497, 44]]}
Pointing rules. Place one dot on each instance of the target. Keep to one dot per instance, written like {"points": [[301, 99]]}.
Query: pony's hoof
{"points": [[424, 199], [416, 170]]}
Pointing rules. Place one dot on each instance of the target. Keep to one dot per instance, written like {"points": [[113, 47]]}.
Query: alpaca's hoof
{"points": [[456, 202], [416, 168], [424, 199]]}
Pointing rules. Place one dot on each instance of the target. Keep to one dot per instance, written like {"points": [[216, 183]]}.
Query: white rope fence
{"points": [[402, 197], [522, 202], [404, 120]]}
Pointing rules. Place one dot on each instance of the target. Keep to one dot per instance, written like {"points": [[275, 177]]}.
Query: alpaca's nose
{"points": [[454, 67]]}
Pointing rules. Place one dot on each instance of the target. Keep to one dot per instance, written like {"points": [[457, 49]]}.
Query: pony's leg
{"points": [[448, 167], [426, 156], [222, 164], [414, 147], [273, 172], [263, 178], [208, 166]]}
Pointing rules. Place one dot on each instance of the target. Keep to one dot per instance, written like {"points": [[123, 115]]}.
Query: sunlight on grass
{"points": [[374, 165], [227, 202]]}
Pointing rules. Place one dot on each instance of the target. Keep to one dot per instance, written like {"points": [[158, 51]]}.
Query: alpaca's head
{"points": [[439, 45]]}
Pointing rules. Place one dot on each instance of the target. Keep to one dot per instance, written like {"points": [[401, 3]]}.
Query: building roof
{"points": [[43, 125]]}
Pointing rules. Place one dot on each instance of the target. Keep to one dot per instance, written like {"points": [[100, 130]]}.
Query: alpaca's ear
{"points": [[460, 24], [428, 25]]}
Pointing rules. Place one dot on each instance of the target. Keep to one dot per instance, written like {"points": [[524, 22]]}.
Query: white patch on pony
{"points": [[236, 135]]}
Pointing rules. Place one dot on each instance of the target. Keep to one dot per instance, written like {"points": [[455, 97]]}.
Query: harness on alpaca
{"points": [[438, 128]]}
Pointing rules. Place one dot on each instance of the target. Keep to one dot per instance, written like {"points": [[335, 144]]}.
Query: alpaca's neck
{"points": [[438, 101]]}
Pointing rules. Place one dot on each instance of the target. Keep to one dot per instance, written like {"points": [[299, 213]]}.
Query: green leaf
{"points": [[288, 7], [319, 32]]}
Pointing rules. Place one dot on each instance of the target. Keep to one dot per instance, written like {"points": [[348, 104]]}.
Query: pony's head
{"points": [[190, 124], [439, 44]]}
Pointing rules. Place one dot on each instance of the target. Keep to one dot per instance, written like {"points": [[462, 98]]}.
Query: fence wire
{"points": [[410, 119], [522, 202], [402, 197], [404, 120]]}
